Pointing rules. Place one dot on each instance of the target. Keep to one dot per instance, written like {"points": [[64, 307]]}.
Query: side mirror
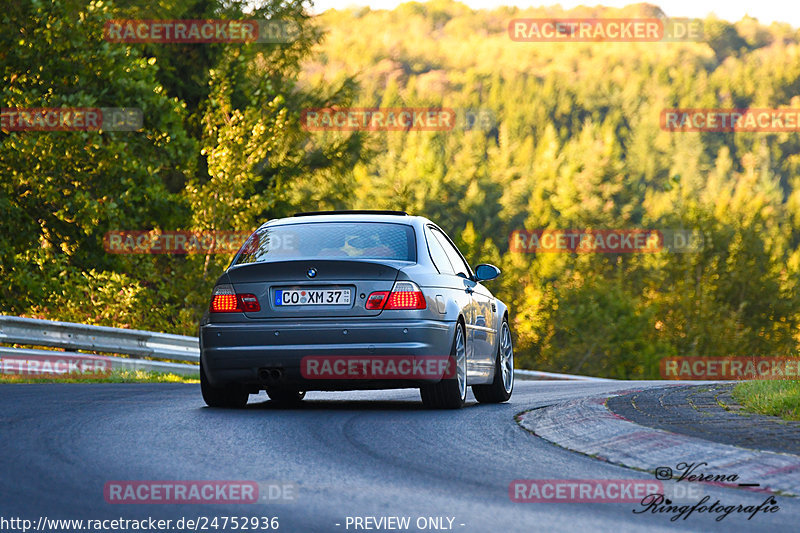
{"points": [[485, 272]]}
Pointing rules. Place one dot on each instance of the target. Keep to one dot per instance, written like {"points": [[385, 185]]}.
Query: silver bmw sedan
{"points": [[346, 300]]}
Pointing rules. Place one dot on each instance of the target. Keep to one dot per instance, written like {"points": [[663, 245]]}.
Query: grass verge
{"points": [[116, 376], [770, 397]]}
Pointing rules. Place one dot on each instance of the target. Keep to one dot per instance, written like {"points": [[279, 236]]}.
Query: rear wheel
{"points": [[450, 393], [503, 384], [285, 396], [231, 397]]}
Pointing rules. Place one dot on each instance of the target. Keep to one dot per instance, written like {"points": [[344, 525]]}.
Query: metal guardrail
{"points": [[131, 342], [136, 344], [527, 375]]}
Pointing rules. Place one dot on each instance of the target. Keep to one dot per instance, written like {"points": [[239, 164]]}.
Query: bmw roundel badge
{"points": [[311, 272]]}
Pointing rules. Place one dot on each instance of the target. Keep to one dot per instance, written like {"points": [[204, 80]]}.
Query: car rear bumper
{"points": [[239, 353]]}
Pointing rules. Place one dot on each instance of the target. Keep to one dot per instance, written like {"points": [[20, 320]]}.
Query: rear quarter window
{"points": [[437, 253]]}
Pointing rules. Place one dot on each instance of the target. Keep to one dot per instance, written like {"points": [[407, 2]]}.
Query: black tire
{"points": [[285, 396], [450, 393], [230, 397], [503, 384]]}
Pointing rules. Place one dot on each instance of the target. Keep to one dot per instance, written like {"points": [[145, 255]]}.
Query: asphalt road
{"points": [[354, 454]]}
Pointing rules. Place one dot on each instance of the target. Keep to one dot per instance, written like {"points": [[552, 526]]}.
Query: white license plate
{"points": [[312, 297]]}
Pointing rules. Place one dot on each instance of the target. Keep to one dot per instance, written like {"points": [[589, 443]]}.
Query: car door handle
{"points": [[469, 290]]}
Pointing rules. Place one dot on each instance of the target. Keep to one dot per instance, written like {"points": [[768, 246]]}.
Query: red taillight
{"points": [[249, 302], [404, 295], [376, 300], [225, 300], [224, 303], [406, 300]]}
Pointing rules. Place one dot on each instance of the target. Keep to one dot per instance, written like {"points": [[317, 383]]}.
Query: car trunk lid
{"points": [[331, 288]]}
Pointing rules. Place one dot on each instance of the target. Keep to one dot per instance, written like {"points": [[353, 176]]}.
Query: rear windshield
{"points": [[330, 240]]}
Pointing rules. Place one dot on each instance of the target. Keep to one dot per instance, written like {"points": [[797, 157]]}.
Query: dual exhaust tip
{"points": [[270, 375]]}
